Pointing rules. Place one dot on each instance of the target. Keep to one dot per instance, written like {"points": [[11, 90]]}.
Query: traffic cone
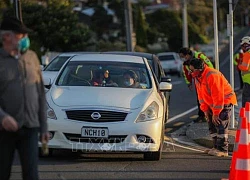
{"points": [[247, 107], [242, 161], [237, 138]]}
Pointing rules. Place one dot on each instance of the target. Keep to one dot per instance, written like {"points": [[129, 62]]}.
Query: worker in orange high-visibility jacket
{"points": [[187, 54], [244, 66], [216, 98]]}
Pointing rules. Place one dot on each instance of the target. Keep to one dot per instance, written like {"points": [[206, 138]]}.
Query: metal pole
{"points": [[18, 9], [246, 17], [230, 32], [216, 51], [129, 25], [185, 27]]}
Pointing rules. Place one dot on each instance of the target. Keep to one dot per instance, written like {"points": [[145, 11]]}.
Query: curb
{"points": [[197, 135]]}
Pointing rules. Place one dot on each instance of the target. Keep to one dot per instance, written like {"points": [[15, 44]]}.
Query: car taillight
{"points": [[176, 62]]}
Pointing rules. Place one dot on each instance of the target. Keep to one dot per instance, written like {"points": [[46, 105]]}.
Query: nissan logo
{"points": [[96, 115]]}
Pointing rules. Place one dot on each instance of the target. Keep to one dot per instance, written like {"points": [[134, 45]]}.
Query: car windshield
{"points": [[100, 74], [167, 58], [56, 63]]}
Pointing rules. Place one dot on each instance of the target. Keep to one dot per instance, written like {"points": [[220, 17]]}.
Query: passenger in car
{"points": [[102, 79], [130, 79]]}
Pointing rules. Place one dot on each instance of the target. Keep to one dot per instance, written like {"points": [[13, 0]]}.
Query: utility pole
{"points": [[230, 34], [246, 17], [185, 26], [216, 51], [129, 24], [17, 9]]}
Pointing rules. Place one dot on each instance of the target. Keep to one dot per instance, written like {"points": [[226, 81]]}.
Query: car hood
{"points": [[127, 98], [49, 75]]}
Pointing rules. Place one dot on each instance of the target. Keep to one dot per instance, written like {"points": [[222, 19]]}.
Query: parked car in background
{"points": [[50, 71], [116, 118], [156, 67], [171, 62]]}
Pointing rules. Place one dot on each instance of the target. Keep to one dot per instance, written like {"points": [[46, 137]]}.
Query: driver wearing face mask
{"points": [[130, 79]]}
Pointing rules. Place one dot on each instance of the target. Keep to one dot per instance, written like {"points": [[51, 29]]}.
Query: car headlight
{"points": [[51, 113], [150, 113]]}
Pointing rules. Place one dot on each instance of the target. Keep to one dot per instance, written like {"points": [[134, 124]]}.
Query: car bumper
{"points": [[67, 135]]}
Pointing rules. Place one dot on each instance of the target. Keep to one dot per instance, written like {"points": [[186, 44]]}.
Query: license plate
{"points": [[95, 132]]}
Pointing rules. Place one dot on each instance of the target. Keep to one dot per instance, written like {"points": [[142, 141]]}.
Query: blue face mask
{"points": [[128, 82], [24, 44]]}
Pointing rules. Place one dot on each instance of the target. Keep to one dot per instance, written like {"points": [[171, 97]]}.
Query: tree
{"points": [[55, 27], [4, 5], [118, 7], [140, 27], [100, 21]]}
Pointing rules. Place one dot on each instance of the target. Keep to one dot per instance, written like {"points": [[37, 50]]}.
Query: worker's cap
{"points": [[196, 63], [245, 40]]}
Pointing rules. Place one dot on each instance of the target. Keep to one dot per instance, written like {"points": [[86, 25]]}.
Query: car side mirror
{"points": [[165, 86], [166, 79], [47, 82]]}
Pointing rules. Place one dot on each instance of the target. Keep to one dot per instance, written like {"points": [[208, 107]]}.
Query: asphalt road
{"points": [[178, 162]]}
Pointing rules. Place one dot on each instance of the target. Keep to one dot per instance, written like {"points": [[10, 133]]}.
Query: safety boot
{"points": [[207, 151]]}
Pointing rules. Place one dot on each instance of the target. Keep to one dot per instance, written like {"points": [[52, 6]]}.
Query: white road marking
{"points": [[182, 114], [184, 147]]}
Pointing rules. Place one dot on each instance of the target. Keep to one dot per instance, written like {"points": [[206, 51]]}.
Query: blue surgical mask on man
{"points": [[24, 44]]}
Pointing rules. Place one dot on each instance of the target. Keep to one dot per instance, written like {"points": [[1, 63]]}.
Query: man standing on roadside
{"points": [[238, 60], [216, 98], [22, 101], [188, 54]]}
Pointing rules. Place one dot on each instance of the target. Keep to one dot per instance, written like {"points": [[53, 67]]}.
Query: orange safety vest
{"points": [[214, 91], [245, 64]]}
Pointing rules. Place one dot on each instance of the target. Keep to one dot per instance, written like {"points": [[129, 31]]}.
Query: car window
{"points": [[166, 57], [91, 73], [56, 63]]}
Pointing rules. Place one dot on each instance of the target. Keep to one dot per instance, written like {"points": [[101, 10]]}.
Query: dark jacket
{"points": [[22, 93]]}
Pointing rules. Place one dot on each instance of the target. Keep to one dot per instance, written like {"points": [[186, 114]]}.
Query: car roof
{"points": [[141, 54], [166, 53], [107, 57], [77, 53]]}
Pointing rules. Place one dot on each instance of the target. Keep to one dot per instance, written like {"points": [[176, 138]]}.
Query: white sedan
{"points": [[88, 113]]}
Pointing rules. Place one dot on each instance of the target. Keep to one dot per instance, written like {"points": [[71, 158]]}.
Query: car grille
{"points": [[110, 139], [106, 116]]}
